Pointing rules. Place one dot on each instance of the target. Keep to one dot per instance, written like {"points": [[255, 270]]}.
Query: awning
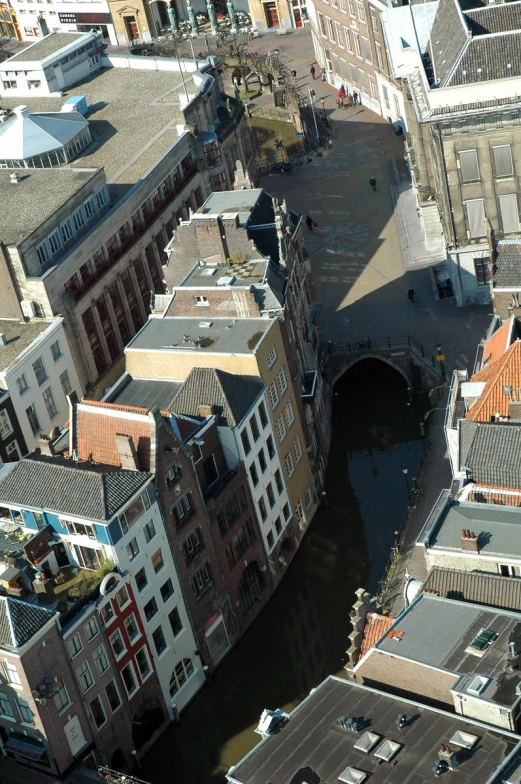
{"points": [[24, 749]]}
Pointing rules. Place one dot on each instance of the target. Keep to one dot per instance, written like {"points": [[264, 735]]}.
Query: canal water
{"points": [[301, 635]]}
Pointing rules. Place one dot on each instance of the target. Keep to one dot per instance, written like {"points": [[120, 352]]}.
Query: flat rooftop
{"points": [[442, 633], [40, 192], [313, 748], [245, 273], [133, 118], [498, 528], [144, 392], [48, 46], [222, 202], [224, 336], [19, 335]]}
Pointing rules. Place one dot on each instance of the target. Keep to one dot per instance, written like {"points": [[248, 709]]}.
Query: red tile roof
{"points": [[496, 346], [375, 627], [503, 372], [96, 432]]}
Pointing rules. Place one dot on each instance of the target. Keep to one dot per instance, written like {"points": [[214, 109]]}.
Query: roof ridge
{"points": [[114, 406]]}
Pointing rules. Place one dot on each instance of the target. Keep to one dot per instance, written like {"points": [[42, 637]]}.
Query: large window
{"points": [[100, 659], [129, 679], [40, 371], [132, 549], [175, 621], [50, 403], [283, 384], [62, 699], [113, 696], [468, 162], [75, 645], [118, 646], [65, 383], [5, 424], [141, 579], [132, 628], [32, 418], [481, 270], [159, 640], [143, 663], [98, 714], [262, 414], [85, 676], [476, 217], [182, 672], [183, 510], [271, 358], [509, 213], [26, 713], [274, 397], [56, 350], [245, 442], [167, 589], [132, 512], [5, 707], [91, 629], [150, 609], [201, 580], [503, 166], [21, 384]]}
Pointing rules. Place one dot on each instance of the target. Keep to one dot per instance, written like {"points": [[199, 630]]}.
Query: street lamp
{"points": [[405, 471]]}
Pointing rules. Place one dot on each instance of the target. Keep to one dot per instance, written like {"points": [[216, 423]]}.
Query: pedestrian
{"points": [[313, 97], [355, 98], [312, 71], [349, 99], [309, 223], [294, 74], [372, 183], [323, 74], [340, 102], [342, 91], [412, 295]]}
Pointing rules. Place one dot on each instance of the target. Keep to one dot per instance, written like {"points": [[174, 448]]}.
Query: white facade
{"points": [[38, 381], [36, 21], [273, 516]]}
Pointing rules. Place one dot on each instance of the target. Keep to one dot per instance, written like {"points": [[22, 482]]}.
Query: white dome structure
{"points": [[42, 140]]}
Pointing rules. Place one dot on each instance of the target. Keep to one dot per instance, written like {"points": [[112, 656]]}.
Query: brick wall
{"points": [[172, 364]]}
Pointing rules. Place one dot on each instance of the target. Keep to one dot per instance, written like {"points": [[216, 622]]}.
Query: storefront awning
{"points": [[24, 749]]}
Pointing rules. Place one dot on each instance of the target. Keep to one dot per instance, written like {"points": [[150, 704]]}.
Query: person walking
{"points": [[355, 98], [313, 97], [312, 71], [294, 74], [340, 102], [323, 74], [372, 183], [412, 296], [309, 223], [342, 91]]}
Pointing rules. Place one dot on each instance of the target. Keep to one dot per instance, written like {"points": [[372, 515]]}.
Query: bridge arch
{"points": [[349, 361]]}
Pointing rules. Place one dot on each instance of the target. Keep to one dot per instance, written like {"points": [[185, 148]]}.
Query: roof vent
{"points": [[226, 280], [3, 339], [352, 776], [478, 684], [205, 324], [15, 178]]}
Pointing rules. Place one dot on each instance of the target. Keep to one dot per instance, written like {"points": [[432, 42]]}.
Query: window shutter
{"points": [[509, 213], [469, 165], [476, 217], [503, 161]]}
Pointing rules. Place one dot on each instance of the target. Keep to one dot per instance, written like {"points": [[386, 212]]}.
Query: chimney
{"points": [[447, 755], [46, 445], [469, 541], [205, 410], [127, 452]]}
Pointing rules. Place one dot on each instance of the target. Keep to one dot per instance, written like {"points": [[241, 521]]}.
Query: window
{"points": [[183, 511], [132, 627], [39, 371], [273, 395], [149, 531], [270, 539], [262, 508], [11, 84], [107, 613], [282, 381], [254, 428], [78, 219], [509, 213], [481, 269], [232, 511], [79, 529], [159, 640], [349, 45], [141, 579], [173, 474], [101, 198], [367, 50], [290, 416], [75, 645], [98, 714], [127, 673], [379, 56], [26, 713], [42, 251], [271, 358], [21, 384], [143, 663], [476, 217], [66, 230], [122, 596], [182, 672], [299, 514], [281, 428], [290, 468], [262, 461], [112, 696], [89, 209], [262, 414], [62, 699], [358, 48], [134, 511], [132, 549], [374, 20], [503, 166], [308, 500], [55, 241], [50, 404], [150, 609], [201, 580], [85, 676], [339, 36], [175, 622], [322, 26], [278, 526], [167, 590], [270, 494], [116, 640], [286, 512], [91, 629], [331, 29], [65, 382], [254, 475], [194, 543], [245, 442], [5, 424], [278, 481], [297, 449], [5, 707], [361, 11], [468, 164], [270, 447], [100, 660], [201, 301], [56, 351]]}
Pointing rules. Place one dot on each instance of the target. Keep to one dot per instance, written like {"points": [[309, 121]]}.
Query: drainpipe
{"points": [[446, 179]]}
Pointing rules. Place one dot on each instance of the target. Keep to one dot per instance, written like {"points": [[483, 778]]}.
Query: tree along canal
{"points": [[301, 635]]}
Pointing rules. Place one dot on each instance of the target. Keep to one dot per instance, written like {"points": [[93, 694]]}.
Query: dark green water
{"points": [[301, 635]]}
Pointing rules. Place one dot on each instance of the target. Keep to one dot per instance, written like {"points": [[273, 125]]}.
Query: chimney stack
{"points": [[46, 446], [469, 541], [205, 410], [447, 755]]}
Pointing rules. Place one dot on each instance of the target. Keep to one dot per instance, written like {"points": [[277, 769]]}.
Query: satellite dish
{"points": [[42, 687], [47, 680], [43, 701], [56, 688], [35, 693]]}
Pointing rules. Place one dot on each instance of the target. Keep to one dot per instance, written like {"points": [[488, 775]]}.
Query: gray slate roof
{"points": [[508, 264], [492, 19], [492, 54], [475, 587], [231, 395], [492, 453], [19, 621], [91, 491], [498, 529], [145, 392], [449, 36], [48, 45]]}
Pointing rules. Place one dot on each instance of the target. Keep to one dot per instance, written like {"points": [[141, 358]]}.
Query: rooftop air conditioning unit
{"points": [[28, 308]]}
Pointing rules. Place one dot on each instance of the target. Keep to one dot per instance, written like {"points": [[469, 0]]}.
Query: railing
{"points": [[135, 235], [368, 346]]}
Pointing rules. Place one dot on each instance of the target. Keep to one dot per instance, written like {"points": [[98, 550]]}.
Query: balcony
{"points": [[117, 254], [309, 384]]}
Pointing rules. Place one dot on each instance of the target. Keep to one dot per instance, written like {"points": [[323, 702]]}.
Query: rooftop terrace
{"points": [[19, 335]]}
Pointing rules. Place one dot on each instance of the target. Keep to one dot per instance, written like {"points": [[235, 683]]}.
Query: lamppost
{"points": [[440, 358], [405, 471]]}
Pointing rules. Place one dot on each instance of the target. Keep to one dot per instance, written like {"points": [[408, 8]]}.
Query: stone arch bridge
{"points": [[420, 369]]}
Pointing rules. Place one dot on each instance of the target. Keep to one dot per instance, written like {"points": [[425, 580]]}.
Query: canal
{"points": [[301, 635]]}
